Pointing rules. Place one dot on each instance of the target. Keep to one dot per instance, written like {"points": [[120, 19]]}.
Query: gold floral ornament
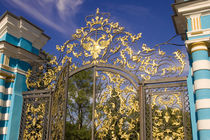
{"points": [[167, 116], [34, 122], [114, 106], [58, 108], [46, 74], [104, 42], [95, 47]]}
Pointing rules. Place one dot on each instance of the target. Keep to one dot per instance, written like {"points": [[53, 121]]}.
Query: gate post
{"points": [[201, 75], [20, 42], [192, 22]]}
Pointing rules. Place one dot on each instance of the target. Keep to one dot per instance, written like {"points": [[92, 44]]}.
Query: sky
{"points": [[60, 18]]}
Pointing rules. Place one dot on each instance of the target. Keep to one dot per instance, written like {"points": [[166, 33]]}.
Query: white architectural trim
{"points": [[200, 47], [195, 7], [2, 89], [191, 71], [4, 116], [204, 39], [3, 130], [19, 53], [201, 65], [5, 103], [20, 27], [202, 84], [2, 77], [7, 75], [15, 70], [9, 90], [202, 103], [203, 124], [5, 90], [201, 32]]}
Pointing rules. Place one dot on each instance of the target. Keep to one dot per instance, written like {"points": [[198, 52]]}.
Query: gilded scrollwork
{"points": [[34, 121], [35, 116], [105, 42], [167, 115], [115, 105], [58, 108]]}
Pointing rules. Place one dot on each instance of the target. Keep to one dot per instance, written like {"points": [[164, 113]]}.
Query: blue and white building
{"points": [[20, 44], [192, 22]]}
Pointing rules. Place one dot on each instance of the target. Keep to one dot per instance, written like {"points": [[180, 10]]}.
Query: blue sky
{"points": [[60, 18]]}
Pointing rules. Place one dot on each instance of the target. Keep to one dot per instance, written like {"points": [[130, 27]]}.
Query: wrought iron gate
{"points": [[166, 109], [35, 115], [58, 106], [43, 112], [127, 107]]}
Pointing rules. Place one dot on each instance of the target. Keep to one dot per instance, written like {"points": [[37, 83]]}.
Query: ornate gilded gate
{"points": [[126, 101], [35, 115], [43, 113], [166, 109]]}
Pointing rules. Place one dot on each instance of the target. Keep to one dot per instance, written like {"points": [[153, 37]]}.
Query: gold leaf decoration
{"points": [[167, 117], [104, 42], [34, 122], [115, 104]]}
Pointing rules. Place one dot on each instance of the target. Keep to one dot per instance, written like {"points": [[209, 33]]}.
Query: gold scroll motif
{"points": [[167, 117], [58, 108], [106, 42], [117, 109], [34, 122]]}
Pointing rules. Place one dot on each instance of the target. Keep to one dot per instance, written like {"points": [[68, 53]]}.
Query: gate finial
{"points": [[97, 11]]}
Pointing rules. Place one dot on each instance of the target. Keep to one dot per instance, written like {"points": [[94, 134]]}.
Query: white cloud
{"points": [[57, 14], [69, 7], [45, 3], [37, 15]]}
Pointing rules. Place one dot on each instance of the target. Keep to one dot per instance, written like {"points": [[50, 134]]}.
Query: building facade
{"points": [[20, 44], [192, 22]]}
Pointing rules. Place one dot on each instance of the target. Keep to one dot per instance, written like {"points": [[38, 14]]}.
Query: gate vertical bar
{"points": [[139, 94], [23, 116], [142, 115], [66, 98], [94, 99], [49, 123]]}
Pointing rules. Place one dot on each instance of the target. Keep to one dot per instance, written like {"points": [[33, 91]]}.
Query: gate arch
{"points": [[130, 76], [104, 46], [59, 97], [108, 44]]}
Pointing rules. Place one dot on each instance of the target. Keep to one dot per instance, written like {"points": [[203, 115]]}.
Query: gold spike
{"points": [[97, 11]]}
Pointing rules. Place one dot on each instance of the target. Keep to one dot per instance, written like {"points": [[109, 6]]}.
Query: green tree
{"points": [[79, 107]]}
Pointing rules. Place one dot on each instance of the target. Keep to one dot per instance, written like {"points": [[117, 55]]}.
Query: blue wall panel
{"points": [[189, 26], [21, 42], [16, 107], [205, 22]]}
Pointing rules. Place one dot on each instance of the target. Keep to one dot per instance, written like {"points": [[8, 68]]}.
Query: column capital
{"points": [[198, 46], [3, 77]]}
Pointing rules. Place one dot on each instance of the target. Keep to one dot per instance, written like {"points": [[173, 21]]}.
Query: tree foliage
{"points": [[79, 107]]}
